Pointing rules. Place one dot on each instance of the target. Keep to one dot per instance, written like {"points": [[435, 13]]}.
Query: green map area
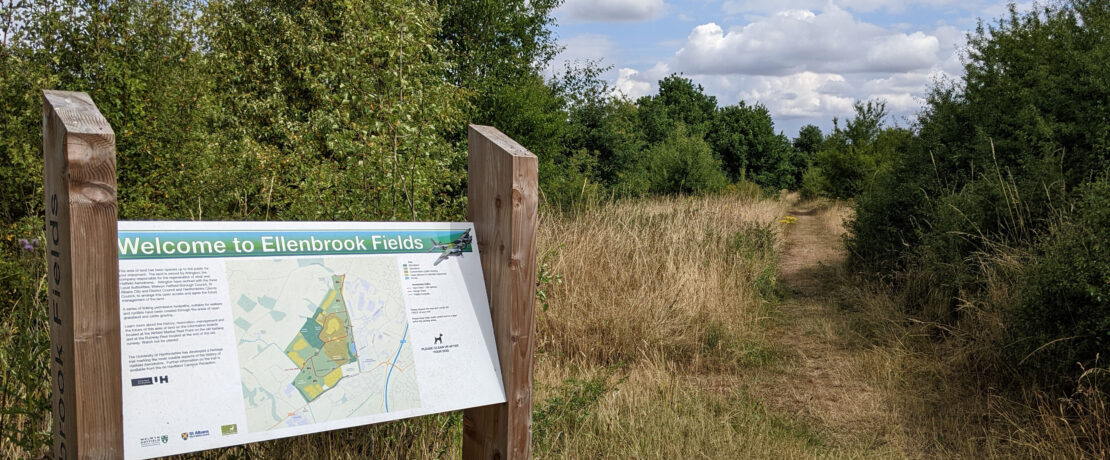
{"points": [[323, 345]]}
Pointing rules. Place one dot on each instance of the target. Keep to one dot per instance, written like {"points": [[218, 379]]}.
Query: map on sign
{"points": [[324, 344], [343, 353]]}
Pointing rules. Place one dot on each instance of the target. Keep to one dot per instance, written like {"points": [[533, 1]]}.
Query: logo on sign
{"points": [[150, 380], [194, 434], [151, 441]]}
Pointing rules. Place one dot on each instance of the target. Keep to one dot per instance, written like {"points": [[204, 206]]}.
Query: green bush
{"points": [[256, 109], [25, 396], [683, 164], [843, 172], [813, 183], [885, 223], [851, 158], [1062, 322]]}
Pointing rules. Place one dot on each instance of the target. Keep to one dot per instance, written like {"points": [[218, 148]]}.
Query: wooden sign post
{"points": [[79, 150], [503, 199], [83, 271]]}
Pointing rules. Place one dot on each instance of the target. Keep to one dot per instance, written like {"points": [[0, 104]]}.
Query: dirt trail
{"points": [[822, 380]]}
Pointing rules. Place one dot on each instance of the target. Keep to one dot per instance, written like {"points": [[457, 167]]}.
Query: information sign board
{"points": [[236, 332]]}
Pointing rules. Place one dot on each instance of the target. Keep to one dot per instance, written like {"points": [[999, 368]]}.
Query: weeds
{"points": [[572, 403], [24, 353]]}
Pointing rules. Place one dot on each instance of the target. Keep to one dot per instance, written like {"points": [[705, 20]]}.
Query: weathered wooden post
{"points": [[503, 199], [79, 150]]}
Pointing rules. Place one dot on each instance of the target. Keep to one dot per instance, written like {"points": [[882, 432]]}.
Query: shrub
{"points": [[683, 164], [886, 219], [813, 183], [844, 171], [1062, 321]]}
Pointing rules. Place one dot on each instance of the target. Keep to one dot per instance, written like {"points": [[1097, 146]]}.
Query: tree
{"points": [[744, 138], [140, 62], [679, 101], [1032, 82], [809, 140], [493, 43], [336, 103], [806, 145], [865, 126], [603, 125], [496, 50], [850, 158]]}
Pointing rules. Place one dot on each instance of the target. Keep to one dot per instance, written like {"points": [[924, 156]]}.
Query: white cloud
{"points": [[902, 92], [903, 52], [794, 41], [862, 6], [809, 60], [759, 6], [634, 84], [804, 94], [612, 10], [897, 83]]}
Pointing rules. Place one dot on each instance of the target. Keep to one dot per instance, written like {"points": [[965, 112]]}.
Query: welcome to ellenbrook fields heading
{"points": [[144, 245]]}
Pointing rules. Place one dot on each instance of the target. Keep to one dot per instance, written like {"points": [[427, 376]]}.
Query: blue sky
{"points": [[806, 60]]}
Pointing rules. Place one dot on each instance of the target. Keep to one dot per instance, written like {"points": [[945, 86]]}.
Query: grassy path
{"points": [[825, 381]]}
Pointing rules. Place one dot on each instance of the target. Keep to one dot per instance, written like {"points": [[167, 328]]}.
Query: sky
{"points": [[807, 61]]}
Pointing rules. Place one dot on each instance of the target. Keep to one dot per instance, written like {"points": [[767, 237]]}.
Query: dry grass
{"points": [[661, 343], [835, 215], [653, 410], [651, 343], [684, 279], [945, 389]]}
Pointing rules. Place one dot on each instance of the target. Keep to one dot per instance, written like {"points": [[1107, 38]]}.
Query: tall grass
{"points": [[24, 350], [946, 385], [656, 410], [683, 280], [656, 322]]}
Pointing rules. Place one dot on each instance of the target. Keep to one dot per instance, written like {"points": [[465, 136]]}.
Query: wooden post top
{"points": [[506, 143], [77, 112]]}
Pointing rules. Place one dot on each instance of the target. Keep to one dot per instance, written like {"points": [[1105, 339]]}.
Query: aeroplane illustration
{"points": [[452, 249]]}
